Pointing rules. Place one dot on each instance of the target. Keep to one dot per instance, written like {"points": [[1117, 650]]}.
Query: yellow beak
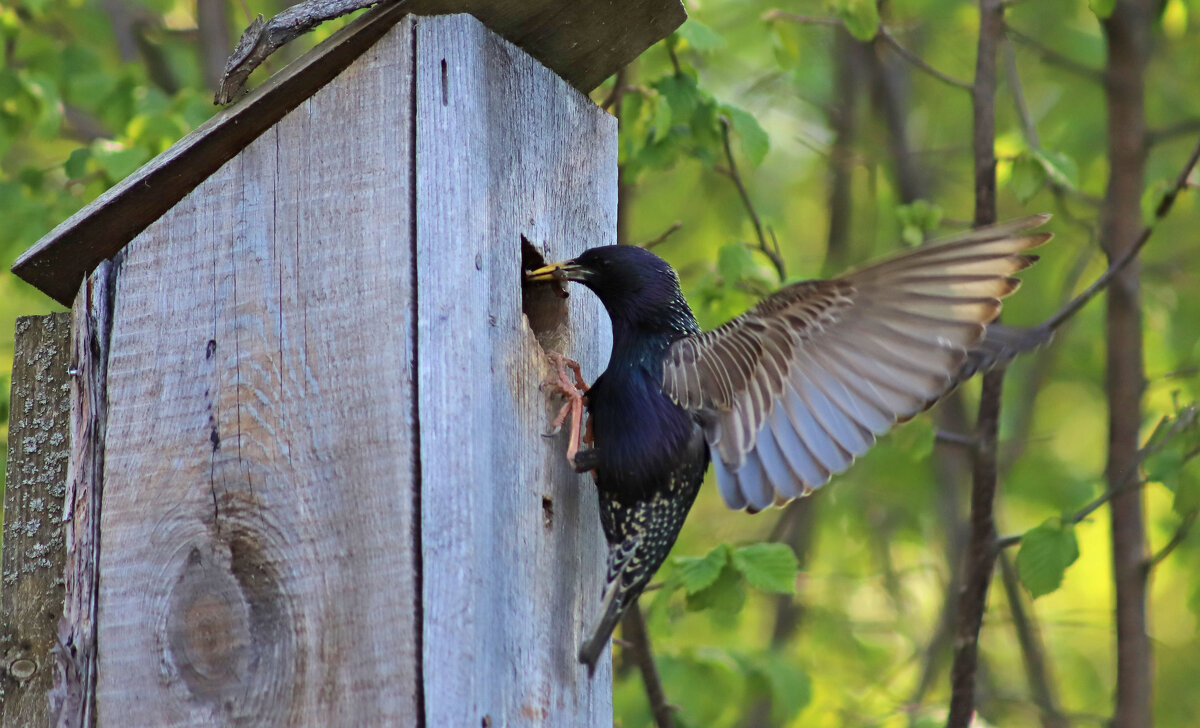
{"points": [[560, 272]]}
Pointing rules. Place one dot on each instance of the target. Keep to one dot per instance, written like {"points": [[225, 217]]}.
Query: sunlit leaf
{"points": [[755, 142], [697, 573], [699, 36], [1102, 8], [1187, 492], [768, 566], [725, 594], [1028, 176], [861, 17], [1060, 169], [1045, 553]]}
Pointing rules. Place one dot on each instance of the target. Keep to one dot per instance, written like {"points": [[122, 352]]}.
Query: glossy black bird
{"points": [[779, 398]]}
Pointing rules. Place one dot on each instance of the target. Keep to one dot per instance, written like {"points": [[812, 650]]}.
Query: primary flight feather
{"points": [[780, 398]]}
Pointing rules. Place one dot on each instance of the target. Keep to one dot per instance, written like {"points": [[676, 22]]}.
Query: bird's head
{"points": [[638, 288]]}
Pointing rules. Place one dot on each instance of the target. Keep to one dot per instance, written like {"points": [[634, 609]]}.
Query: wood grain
{"points": [[31, 599], [512, 552], [72, 700], [258, 543], [583, 42]]}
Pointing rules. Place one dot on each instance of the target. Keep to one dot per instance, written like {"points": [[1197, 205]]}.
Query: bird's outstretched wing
{"points": [[797, 387]]}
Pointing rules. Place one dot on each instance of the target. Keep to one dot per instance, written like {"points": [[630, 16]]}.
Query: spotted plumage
{"points": [[780, 398]]}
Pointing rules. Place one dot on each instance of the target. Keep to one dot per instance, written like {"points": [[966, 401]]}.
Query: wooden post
{"points": [[308, 417], [31, 599]]}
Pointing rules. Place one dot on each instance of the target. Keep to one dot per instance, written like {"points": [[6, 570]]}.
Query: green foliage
{"points": [[75, 117], [860, 16], [918, 221], [1046, 552]]}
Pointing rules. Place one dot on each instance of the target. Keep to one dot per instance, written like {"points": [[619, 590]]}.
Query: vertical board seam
{"points": [[417, 520]]}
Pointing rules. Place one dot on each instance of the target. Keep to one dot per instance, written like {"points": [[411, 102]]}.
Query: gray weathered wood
{"points": [[72, 700], [258, 545], [584, 42], [512, 552], [31, 598]]}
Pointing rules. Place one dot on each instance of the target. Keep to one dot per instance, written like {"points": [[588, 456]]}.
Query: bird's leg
{"points": [[573, 408]]}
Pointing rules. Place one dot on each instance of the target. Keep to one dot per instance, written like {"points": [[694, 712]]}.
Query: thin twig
{"points": [[1041, 684], [920, 63], [881, 32], [633, 629], [1164, 207], [1185, 419], [1179, 536], [1051, 56], [1187, 126], [663, 236], [733, 174]]}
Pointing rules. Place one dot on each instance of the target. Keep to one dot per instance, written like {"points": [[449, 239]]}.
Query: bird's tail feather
{"points": [[612, 609]]}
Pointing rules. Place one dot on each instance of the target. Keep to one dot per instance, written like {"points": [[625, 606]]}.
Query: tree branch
{"points": [[1053, 57], [1131, 252], [1180, 535], [633, 630], [980, 557], [1041, 684], [772, 253], [264, 37], [881, 32]]}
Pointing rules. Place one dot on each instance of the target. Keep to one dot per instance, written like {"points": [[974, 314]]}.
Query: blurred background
{"points": [[773, 141]]}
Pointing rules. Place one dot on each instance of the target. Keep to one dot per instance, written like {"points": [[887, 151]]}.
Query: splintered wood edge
{"points": [[58, 262]]}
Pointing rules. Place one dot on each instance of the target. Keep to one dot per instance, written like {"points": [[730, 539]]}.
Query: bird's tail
{"points": [[612, 609]]}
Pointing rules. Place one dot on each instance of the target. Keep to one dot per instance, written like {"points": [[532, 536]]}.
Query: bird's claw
{"points": [[572, 409]]}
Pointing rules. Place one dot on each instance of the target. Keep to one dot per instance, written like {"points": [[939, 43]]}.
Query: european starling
{"points": [[779, 398]]}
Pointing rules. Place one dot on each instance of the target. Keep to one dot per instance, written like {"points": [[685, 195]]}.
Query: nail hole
{"points": [[547, 511], [445, 85]]}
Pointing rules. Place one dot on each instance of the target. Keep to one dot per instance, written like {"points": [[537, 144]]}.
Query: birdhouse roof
{"points": [[584, 43]]}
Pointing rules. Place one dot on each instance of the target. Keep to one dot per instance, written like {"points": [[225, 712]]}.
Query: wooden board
{"points": [[258, 519], [264, 474], [31, 599], [512, 552], [582, 42]]}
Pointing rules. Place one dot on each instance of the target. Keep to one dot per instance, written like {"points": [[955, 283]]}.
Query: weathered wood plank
{"points": [[72, 700], [258, 543], [583, 42], [512, 552], [31, 599]]}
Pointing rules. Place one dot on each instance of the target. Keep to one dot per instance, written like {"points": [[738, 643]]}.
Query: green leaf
{"points": [[1102, 8], [860, 16], [698, 573], [700, 37], [725, 595], [1027, 178], [681, 92], [1164, 465], [1046, 552], [768, 566], [735, 262], [786, 683], [1187, 493], [755, 141], [117, 160], [1060, 169], [917, 220], [76, 164], [662, 118]]}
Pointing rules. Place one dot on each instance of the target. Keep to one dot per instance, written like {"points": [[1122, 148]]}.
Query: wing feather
{"points": [[792, 391]]}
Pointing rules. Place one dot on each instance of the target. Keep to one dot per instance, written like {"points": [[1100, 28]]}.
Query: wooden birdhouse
{"points": [[282, 463]]}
